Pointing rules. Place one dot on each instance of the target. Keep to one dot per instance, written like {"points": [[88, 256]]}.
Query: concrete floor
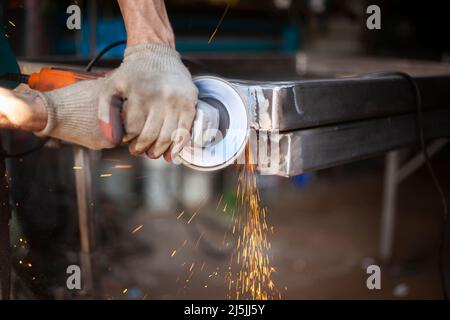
{"points": [[325, 235]]}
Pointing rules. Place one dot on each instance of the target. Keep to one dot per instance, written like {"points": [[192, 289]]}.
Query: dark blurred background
{"points": [[327, 223]]}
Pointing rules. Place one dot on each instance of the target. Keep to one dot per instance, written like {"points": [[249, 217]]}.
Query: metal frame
{"points": [[295, 105], [317, 124]]}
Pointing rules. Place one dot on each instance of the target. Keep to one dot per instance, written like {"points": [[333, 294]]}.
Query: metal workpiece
{"points": [[288, 106], [291, 153]]}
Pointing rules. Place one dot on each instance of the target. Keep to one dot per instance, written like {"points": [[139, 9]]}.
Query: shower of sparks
{"points": [[220, 23], [249, 274], [251, 255], [137, 229]]}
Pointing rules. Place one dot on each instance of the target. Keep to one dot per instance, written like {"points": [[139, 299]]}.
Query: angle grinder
{"points": [[220, 129]]}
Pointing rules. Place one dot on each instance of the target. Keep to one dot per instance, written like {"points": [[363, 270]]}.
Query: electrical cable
{"points": [[100, 55], [432, 172]]}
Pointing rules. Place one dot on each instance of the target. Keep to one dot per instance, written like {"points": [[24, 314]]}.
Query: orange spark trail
{"points": [[220, 23]]}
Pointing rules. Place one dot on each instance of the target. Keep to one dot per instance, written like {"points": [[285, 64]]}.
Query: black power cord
{"points": [[437, 184], [100, 55]]}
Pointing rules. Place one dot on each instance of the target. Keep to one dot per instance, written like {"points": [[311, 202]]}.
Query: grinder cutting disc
{"points": [[232, 132]]}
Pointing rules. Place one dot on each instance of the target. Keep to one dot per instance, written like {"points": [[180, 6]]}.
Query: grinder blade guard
{"points": [[220, 130]]}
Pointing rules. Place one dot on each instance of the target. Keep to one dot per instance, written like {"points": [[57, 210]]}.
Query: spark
{"points": [[106, 175], [198, 240], [122, 166], [11, 23], [192, 218], [125, 291], [77, 168], [173, 253], [180, 215], [137, 229], [220, 201], [220, 23]]}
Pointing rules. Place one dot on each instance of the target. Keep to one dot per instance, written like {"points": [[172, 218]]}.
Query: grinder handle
{"points": [[114, 130], [48, 79]]}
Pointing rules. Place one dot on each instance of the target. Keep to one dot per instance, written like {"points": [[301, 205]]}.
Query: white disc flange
{"points": [[227, 150]]}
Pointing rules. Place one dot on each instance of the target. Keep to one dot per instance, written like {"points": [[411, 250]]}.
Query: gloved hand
{"points": [[159, 95], [72, 114]]}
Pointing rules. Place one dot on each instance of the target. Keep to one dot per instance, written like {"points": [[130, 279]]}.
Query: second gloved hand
{"points": [[159, 98], [71, 114]]}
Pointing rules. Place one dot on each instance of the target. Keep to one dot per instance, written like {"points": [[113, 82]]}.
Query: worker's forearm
{"points": [[146, 21], [22, 111]]}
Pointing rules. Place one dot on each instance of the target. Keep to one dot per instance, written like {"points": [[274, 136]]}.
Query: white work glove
{"points": [[72, 114], [160, 98]]}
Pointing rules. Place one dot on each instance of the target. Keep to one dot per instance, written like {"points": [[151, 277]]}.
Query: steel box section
{"points": [[287, 106], [329, 146]]}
